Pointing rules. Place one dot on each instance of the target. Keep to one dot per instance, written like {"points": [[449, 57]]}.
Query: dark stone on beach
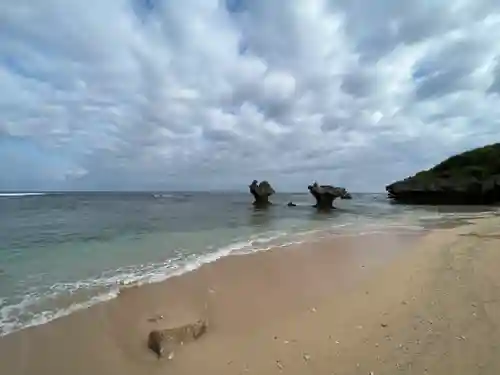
{"points": [[472, 177], [326, 194], [154, 319], [291, 204], [261, 193], [162, 341]]}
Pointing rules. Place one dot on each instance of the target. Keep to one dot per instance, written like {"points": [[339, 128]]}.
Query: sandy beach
{"points": [[376, 304]]}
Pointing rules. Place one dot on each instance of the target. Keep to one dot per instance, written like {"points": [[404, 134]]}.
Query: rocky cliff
{"points": [[472, 177]]}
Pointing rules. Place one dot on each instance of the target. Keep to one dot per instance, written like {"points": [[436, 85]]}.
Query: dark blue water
{"points": [[62, 252]]}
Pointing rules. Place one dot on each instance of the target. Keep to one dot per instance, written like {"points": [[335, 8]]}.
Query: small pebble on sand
{"points": [[279, 364]]}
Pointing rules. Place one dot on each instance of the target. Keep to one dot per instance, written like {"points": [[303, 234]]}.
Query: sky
{"points": [[211, 94]]}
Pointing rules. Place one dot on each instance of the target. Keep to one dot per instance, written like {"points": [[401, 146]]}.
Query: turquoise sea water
{"points": [[63, 252]]}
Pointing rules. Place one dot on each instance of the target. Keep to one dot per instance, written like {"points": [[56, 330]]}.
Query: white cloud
{"points": [[196, 94]]}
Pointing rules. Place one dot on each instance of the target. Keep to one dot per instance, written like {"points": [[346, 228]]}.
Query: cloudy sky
{"points": [[210, 94]]}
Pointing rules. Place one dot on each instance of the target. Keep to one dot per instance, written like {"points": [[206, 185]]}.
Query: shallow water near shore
{"points": [[63, 252]]}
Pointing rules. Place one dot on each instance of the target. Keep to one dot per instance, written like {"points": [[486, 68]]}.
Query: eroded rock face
{"points": [[164, 341], [261, 193], [446, 190], [326, 194]]}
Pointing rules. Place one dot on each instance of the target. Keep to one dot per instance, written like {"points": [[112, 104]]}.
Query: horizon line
{"points": [[32, 191]]}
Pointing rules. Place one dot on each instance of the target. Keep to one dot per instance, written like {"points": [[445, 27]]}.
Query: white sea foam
{"points": [[163, 195], [10, 323], [460, 215], [18, 195], [19, 315], [13, 317]]}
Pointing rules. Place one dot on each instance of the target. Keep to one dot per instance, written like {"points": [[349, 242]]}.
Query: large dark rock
{"points": [[261, 193], [326, 194], [472, 177]]}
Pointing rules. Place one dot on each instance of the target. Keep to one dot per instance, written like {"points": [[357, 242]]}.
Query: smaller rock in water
{"points": [[291, 204]]}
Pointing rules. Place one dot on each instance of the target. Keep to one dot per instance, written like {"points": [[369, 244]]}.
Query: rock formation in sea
{"points": [[326, 194], [347, 196], [261, 193], [472, 177]]}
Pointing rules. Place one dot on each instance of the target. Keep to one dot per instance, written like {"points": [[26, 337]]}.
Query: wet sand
{"points": [[382, 304]]}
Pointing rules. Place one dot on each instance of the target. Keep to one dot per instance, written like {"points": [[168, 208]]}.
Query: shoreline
{"points": [[252, 302], [73, 276], [305, 238]]}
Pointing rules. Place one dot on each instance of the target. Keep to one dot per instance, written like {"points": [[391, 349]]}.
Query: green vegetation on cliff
{"points": [[479, 163]]}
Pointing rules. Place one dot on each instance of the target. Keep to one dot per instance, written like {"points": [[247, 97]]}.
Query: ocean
{"points": [[61, 252]]}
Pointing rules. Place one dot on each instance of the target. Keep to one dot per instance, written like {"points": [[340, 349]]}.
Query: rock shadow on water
{"points": [[259, 216], [325, 215]]}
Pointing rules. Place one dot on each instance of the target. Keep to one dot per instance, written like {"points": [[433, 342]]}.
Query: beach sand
{"points": [[375, 304]]}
